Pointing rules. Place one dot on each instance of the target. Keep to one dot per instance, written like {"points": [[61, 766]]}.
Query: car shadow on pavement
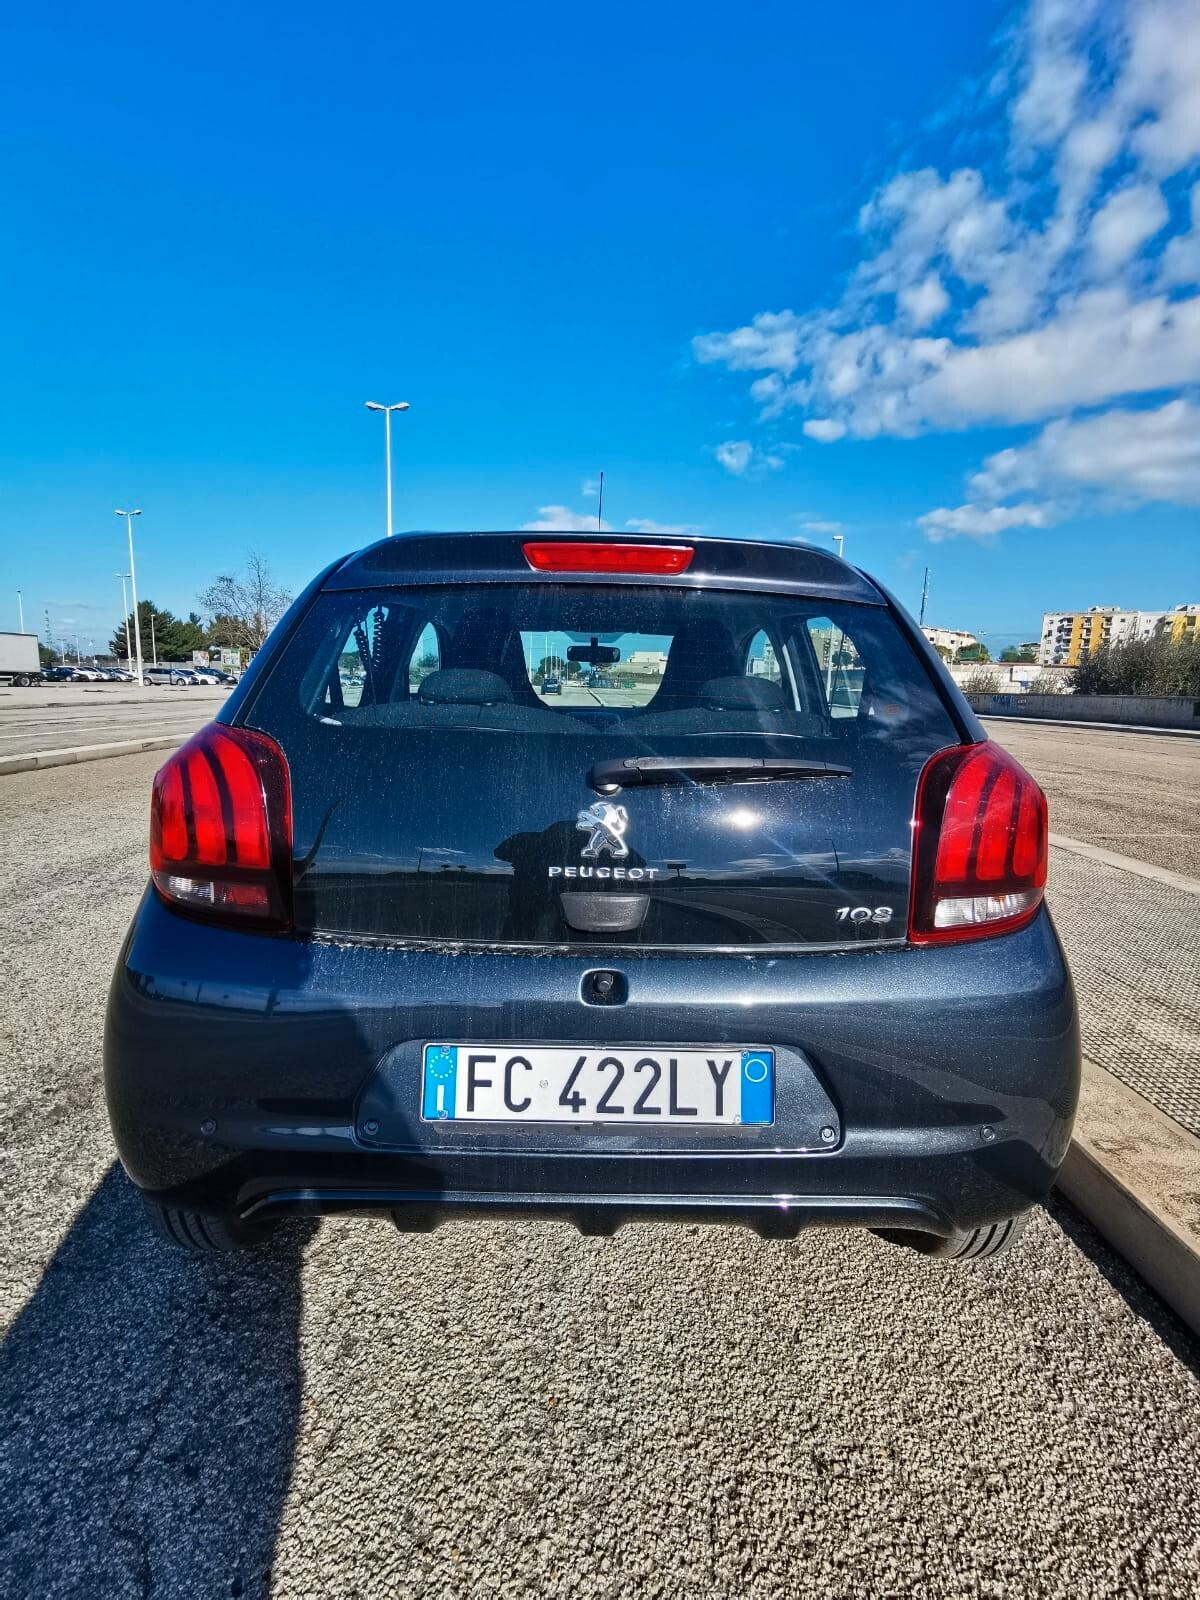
{"points": [[149, 1404], [1136, 1293]]}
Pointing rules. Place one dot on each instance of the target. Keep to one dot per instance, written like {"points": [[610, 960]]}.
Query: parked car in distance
{"points": [[163, 676], [793, 965]]}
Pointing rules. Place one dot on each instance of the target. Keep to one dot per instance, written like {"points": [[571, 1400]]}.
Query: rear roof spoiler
{"points": [[756, 564]]}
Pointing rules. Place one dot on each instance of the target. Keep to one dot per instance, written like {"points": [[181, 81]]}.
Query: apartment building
{"points": [[952, 639], [1068, 636], [1181, 622]]}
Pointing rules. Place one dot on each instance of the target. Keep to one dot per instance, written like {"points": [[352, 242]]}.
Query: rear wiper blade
{"points": [[606, 776]]}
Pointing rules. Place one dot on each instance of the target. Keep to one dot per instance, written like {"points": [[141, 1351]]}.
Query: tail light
{"points": [[221, 828], [979, 846], [593, 555]]}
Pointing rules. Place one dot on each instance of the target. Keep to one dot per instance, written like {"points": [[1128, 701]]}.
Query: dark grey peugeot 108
{"points": [[745, 924]]}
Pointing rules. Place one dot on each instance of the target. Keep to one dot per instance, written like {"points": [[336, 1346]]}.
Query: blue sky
{"points": [[928, 272]]}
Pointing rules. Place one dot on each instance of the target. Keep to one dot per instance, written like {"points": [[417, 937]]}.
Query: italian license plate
{"points": [[695, 1087]]}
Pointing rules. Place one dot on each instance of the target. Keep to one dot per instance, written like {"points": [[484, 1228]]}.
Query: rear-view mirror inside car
{"points": [[595, 654]]}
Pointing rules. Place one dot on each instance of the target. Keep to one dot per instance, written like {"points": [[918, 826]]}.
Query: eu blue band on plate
{"points": [[441, 1073], [758, 1086]]}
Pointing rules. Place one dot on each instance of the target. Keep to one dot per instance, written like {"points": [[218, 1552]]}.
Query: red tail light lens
{"points": [[979, 846], [592, 555], [221, 827]]}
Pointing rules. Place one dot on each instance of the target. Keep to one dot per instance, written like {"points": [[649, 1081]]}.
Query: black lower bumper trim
{"points": [[771, 1216]]}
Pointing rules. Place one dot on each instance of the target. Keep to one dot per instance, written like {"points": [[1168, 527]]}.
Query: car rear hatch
{"points": [[725, 764]]}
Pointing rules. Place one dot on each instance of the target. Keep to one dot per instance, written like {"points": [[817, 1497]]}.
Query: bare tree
{"points": [[248, 606]]}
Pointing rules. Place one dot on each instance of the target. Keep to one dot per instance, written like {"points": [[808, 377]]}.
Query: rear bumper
{"points": [[237, 1067]]}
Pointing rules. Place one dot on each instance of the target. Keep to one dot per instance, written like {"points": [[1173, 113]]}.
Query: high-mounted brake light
{"points": [[221, 827], [979, 846], [592, 555]]}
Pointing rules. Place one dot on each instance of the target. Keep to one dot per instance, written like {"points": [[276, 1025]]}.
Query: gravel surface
{"points": [[512, 1409], [1135, 793]]}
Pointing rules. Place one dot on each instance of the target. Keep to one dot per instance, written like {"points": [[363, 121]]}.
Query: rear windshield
{"points": [[444, 743], [575, 661]]}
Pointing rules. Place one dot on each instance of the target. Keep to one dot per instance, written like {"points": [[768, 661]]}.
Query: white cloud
{"points": [[735, 455], [561, 519], [823, 527], [1144, 455], [1043, 271], [924, 302], [662, 529], [1124, 223], [590, 488], [1159, 83], [982, 522], [824, 429]]}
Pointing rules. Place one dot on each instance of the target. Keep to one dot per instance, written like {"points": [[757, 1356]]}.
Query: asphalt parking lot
{"points": [[1135, 793], [61, 715], [513, 1409]]}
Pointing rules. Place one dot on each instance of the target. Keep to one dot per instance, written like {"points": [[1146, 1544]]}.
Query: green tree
{"points": [[1142, 667], [974, 652], [1019, 652], [550, 667]]}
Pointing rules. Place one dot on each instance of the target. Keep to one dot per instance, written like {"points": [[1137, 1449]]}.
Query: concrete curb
{"points": [[1082, 722], [1135, 1175], [35, 760], [1110, 858]]}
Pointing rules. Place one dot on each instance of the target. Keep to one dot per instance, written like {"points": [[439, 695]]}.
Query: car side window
{"points": [[365, 664], [426, 657], [762, 659], [839, 665]]}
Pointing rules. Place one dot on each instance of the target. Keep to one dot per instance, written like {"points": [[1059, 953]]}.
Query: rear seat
{"points": [[737, 704], [462, 697]]}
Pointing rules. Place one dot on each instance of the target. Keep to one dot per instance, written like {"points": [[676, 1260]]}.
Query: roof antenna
{"points": [[600, 508]]}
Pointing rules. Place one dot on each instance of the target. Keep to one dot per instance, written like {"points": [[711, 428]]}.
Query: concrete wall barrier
{"points": [[1138, 711]]}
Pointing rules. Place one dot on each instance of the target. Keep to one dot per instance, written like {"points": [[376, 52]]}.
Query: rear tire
{"points": [[199, 1234], [970, 1244]]}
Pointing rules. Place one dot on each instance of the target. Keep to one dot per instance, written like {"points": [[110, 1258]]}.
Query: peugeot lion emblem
{"points": [[606, 825]]}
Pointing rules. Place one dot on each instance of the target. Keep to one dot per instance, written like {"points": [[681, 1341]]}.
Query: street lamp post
{"points": [[20, 613], [401, 405], [839, 539], [125, 614], [137, 624], [153, 640]]}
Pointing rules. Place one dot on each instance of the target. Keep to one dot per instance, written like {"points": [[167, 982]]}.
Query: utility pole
{"points": [[374, 405], [137, 624], [600, 507], [924, 598]]}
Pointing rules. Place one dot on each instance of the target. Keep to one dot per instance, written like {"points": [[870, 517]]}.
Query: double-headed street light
{"points": [[401, 405], [137, 625]]}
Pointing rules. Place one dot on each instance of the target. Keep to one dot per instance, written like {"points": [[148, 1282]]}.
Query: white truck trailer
{"points": [[20, 664]]}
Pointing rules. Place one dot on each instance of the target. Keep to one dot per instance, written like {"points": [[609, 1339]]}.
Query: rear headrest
{"points": [[743, 694], [464, 686]]}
